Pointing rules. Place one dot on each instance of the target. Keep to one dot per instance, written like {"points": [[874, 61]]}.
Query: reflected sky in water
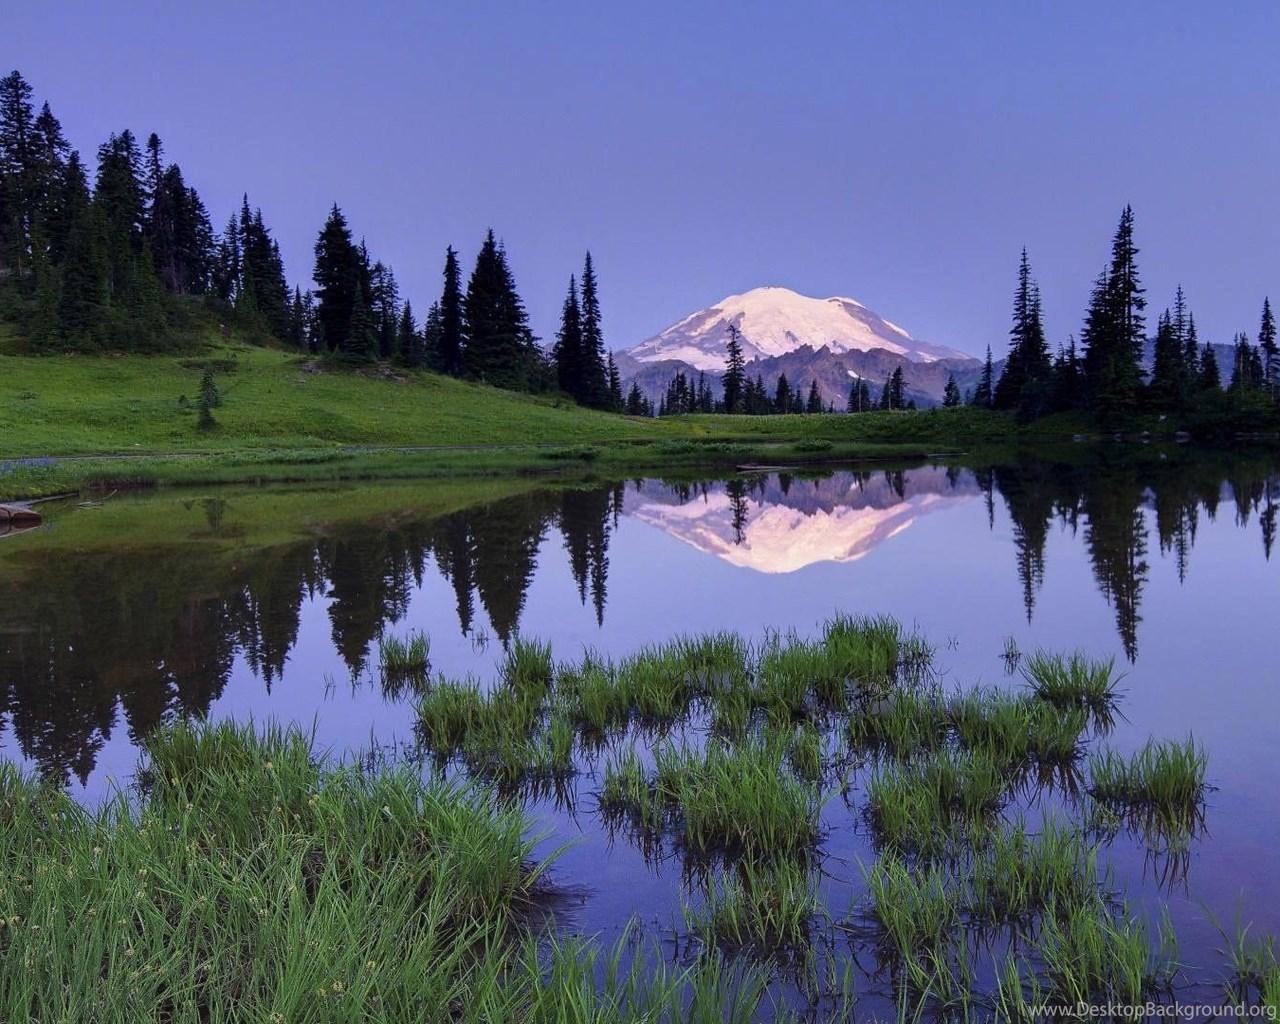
{"points": [[1165, 565]]}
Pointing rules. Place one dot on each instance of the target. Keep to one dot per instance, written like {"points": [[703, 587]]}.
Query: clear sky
{"points": [[897, 152]]}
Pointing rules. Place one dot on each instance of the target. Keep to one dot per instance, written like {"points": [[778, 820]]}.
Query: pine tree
{"points": [[17, 162], [1270, 352], [83, 299], [984, 393], [615, 384], [1114, 334], [782, 395], [1023, 384], [337, 277], [595, 381], [499, 346], [814, 402], [1210, 376], [951, 393], [361, 342], [735, 374], [635, 401], [451, 340], [408, 340], [567, 351], [432, 332]]}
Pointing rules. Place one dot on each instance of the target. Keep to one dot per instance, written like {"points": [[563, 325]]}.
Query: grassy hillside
{"points": [[68, 422]]}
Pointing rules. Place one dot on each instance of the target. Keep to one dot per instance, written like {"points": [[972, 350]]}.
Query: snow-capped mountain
{"points": [[775, 321]]}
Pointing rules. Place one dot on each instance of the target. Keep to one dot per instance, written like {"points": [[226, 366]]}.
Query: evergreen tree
{"points": [[814, 402], [984, 393], [735, 374], [1270, 352], [567, 351], [361, 342], [408, 340], [595, 381], [450, 344], [337, 277], [1024, 382], [499, 346], [615, 384], [636, 405], [1210, 376], [432, 333], [83, 300], [1114, 335], [951, 393], [782, 395], [17, 161]]}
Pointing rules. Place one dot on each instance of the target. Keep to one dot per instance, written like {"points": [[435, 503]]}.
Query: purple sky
{"points": [[900, 153]]}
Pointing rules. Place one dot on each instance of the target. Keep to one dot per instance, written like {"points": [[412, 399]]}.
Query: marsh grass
{"points": [[904, 724], [1016, 874], [934, 806], [1093, 953], [1074, 681], [770, 906], [404, 662], [1160, 789]]}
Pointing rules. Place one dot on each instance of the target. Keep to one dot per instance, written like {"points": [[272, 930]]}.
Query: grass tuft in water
{"points": [[1162, 785], [769, 905], [1073, 681]]}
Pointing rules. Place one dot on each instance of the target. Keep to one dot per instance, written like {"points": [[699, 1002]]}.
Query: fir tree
{"points": [[984, 393], [615, 384], [782, 395], [814, 402], [1210, 376], [337, 277], [1023, 384], [1114, 335], [408, 340], [567, 351], [595, 381], [450, 344], [951, 393], [361, 342], [1270, 352], [636, 405], [499, 346], [735, 374]]}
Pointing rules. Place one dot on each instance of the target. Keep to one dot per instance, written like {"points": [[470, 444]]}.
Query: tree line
{"points": [[99, 259], [1111, 376]]}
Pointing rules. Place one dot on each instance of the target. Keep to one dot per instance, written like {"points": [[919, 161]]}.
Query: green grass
{"points": [[1163, 783], [1073, 682], [771, 906], [288, 417], [932, 806], [404, 661], [334, 895]]}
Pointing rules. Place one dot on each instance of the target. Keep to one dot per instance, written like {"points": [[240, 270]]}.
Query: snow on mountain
{"points": [[775, 321]]}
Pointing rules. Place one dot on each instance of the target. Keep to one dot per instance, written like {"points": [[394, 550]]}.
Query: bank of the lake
{"points": [[73, 423]]}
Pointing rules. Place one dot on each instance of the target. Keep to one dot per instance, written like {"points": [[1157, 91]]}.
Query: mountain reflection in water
{"points": [[111, 629]]}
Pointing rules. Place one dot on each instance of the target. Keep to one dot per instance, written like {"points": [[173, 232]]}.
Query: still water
{"points": [[268, 604]]}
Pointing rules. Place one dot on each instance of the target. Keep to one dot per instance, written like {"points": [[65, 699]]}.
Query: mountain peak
{"points": [[774, 321]]}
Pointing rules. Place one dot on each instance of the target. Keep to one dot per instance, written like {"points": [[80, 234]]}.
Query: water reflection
{"points": [[119, 629]]}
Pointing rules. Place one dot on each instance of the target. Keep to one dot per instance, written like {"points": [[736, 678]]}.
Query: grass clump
{"points": [[1015, 875], [1162, 785], [918, 910], [768, 905], [447, 713], [403, 659], [1093, 954], [906, 723], [928, 806], [1073, 682], [864, 649]]}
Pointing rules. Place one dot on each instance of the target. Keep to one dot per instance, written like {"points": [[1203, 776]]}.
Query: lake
{"points": [[122, 613]]}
